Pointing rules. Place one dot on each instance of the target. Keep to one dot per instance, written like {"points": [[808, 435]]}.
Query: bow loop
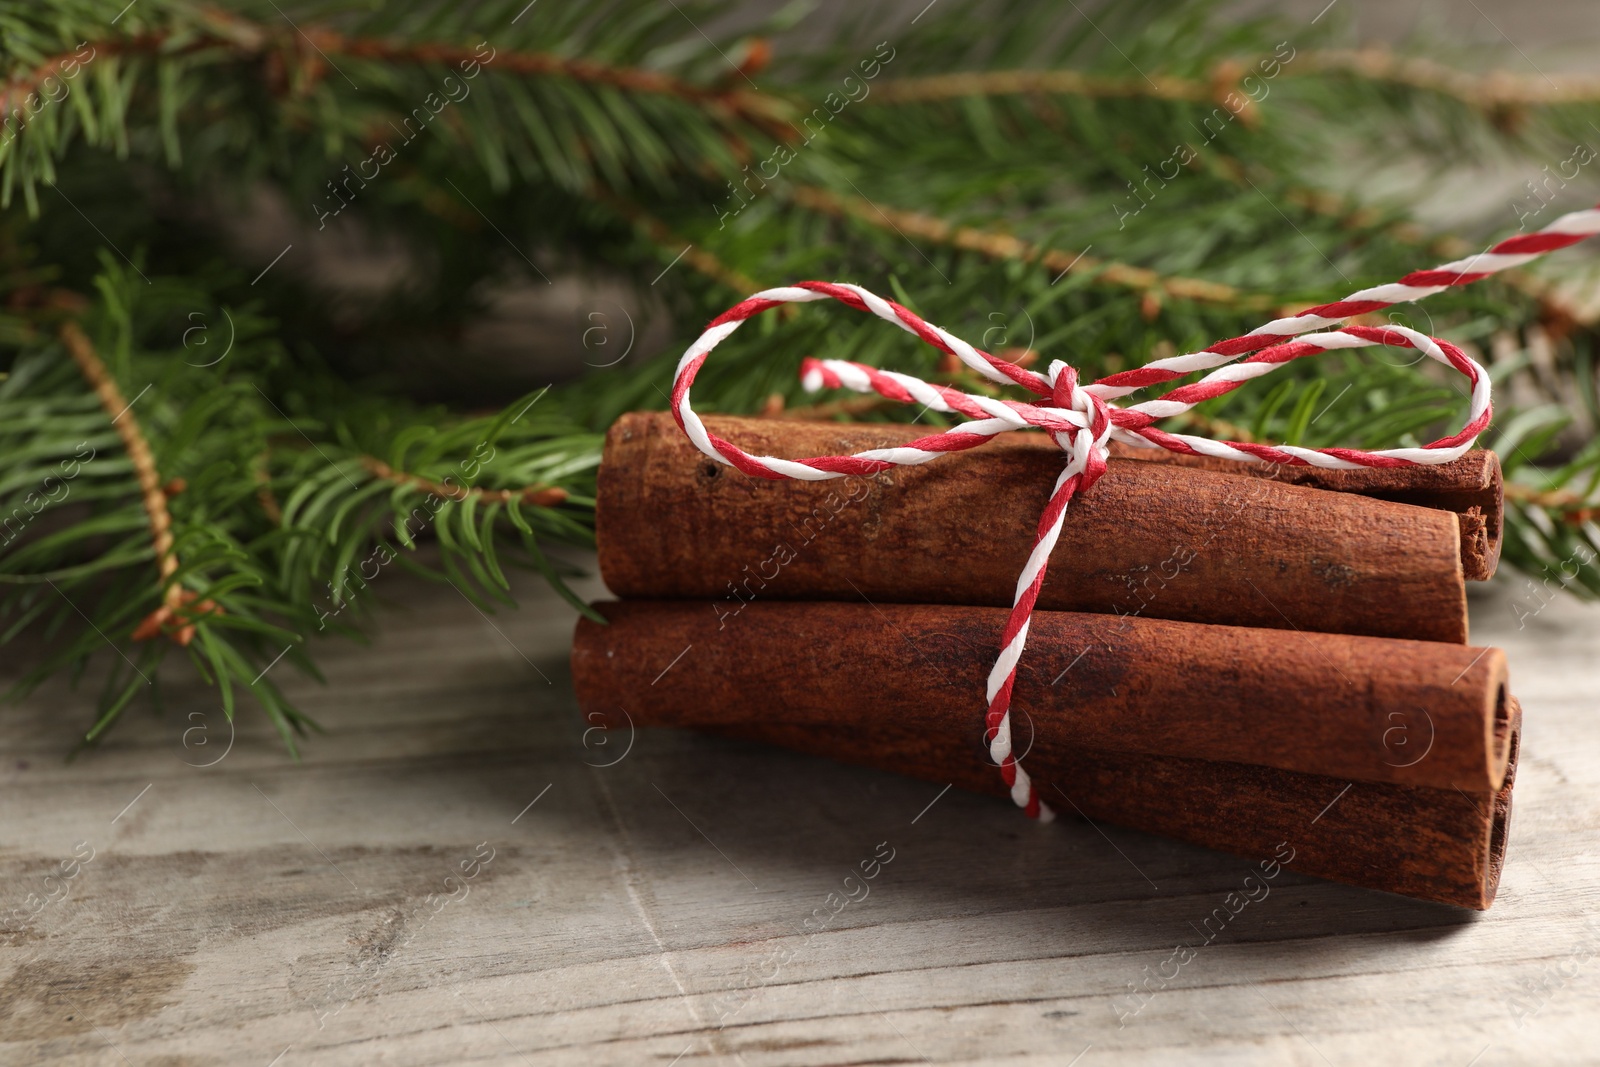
{"points": [[1082, 422], [1078, 418], [1085, 446], [1064, 391]]}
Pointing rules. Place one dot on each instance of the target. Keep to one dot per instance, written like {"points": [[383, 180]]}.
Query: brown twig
{"points": [[1004, 246], [1223, 84], [769, 113], [105, 388], [1573, 507], [1033, 83], [542, 496], [1495, 90], [764, 111], [173, 616], [17, 90]]}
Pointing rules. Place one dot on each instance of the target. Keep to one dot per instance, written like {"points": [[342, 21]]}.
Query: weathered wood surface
{"points": [[651, 912]]}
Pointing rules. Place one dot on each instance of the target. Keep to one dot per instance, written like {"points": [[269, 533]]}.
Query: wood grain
{"points": [[1149, 539]]}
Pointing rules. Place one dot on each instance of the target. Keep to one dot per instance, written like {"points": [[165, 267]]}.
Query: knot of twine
{"points": [[1081, 419]]}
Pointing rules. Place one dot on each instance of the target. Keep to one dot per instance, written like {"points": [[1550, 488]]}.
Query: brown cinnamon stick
{"points": [[1152, 540], [1417, 713], [1470, 487], [1231, 738]]}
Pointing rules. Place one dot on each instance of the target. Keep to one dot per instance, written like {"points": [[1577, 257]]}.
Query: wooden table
{"points": [[452, 875]]}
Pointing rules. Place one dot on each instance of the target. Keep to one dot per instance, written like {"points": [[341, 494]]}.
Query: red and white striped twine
{"points": [[1081, 420]]}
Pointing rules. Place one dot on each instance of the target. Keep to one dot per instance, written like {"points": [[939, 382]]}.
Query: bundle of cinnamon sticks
{"points": [[1233, 655]]}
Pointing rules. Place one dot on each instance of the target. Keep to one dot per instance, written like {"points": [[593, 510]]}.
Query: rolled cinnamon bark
{"points": [[1152, 540], [1416, 713], [1471, 488], [1223, 736]]}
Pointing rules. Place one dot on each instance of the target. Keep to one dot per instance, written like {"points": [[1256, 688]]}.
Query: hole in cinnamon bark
{"points": [[1502, 722], [1500, 824], [1497, 838]]}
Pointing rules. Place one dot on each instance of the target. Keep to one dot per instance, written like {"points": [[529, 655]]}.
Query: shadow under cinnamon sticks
{"points": [[1233, 738]]}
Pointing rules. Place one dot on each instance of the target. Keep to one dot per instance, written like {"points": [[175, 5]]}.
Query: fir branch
{"points": [[151, 493], [539, 496], [1002, 246], [761, 110], [18, 89], [538, 115], [246, 40]]}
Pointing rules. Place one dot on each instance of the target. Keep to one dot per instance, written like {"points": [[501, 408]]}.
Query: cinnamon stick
{"points": [[1472, 488], [1152, 540], [1227, 737], [1418, 713]]}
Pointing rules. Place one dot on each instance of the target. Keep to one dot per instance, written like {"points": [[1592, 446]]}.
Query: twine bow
{"points": [[1081, 419]]}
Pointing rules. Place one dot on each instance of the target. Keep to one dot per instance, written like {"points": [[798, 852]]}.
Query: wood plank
{"points": [[654, 909]]}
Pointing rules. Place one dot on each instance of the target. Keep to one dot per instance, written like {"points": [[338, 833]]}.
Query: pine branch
{"points": [[247, 40], [538, 496], [571, 119], [760, 110], [1001, 246], [62, 65], [171, 616]]}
